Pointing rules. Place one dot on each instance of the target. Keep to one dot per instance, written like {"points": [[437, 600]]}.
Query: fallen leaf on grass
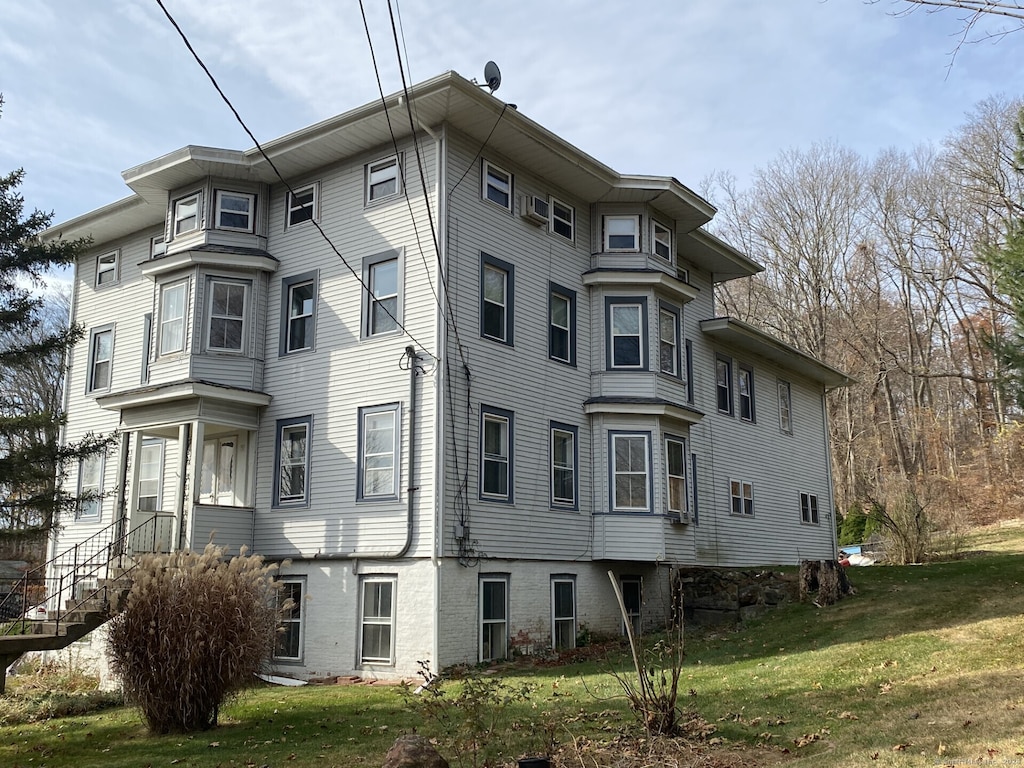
{"points": [[807, 738], [847, 716], [900, 747]]}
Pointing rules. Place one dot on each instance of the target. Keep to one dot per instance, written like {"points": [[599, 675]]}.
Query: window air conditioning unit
{"points": [[536, 210]]}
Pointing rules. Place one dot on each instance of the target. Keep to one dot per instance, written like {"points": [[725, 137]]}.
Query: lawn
{"points": [[923, 666]]}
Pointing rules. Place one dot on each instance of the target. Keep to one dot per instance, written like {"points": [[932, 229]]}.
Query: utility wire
{"points": [[279, 175]]}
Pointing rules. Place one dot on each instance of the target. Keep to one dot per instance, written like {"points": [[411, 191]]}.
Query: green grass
{"points": [[923, 666]]}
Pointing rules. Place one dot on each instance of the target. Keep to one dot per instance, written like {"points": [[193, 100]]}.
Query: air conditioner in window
{"points": [[536, 210]]}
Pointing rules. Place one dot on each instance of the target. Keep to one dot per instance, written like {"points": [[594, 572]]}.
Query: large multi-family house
{"points": [[451, 368]]}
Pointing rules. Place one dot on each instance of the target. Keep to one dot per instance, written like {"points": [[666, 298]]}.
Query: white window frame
{"points": [[809, 509], [389, 320], [294, 617], [295, 212], [283, 461], [502, 458], [613, 310], [745, 399], [560, 621], [378, 462], [741, 498], [785, 407], [563, 465], [157, 246], [167, 324], [193, 201], [241, 319], [554, 328], [634, 225], [500, 182], [91, 469], [307, 318], [381, 172], [488, 622], [668, 343], [221, 478], [562, 220], [153, 482], [220, 211], [630, 471], [661, 241], [377, 619], [108, 269], [676, 486], [100, 357]]}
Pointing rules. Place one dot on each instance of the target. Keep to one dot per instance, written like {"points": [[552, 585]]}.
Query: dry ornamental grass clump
{"points": [[195, 629]]}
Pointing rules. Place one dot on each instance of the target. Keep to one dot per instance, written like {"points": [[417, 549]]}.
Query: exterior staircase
{"points": [[73, 593]]}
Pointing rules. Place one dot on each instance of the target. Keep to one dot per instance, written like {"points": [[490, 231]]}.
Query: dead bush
{"points": [[195, 629]]}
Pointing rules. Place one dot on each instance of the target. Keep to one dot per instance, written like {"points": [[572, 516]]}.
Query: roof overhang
{"points": [[646, 278], [738, 335], [446, 99], [162, 394], [717, 257], [642, 406]]}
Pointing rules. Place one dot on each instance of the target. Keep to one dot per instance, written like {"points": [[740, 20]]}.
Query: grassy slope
{"points": [[925, 666]]}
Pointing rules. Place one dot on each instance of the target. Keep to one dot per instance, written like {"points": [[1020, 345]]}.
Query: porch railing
{"points": [[80, 575]]}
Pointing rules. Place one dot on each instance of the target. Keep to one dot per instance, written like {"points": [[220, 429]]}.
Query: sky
{"points": [[682, 88]]}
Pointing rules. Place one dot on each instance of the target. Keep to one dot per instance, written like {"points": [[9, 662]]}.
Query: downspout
{"points": [[409, 506]]}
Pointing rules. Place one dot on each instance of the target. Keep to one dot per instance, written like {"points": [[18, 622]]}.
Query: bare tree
{"points": [[975, 12]]}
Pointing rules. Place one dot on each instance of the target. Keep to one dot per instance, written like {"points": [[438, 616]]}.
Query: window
{"points": [[289, 641], [661, 241], [172, 318], [561, 324], [723, 384], [785, 408], [496, 277], [630, 465], [383, 179], [186, 214], [106, 268], [741, 495], [217, 476], [497, 186], [157, 246], [235, 211], [227, 315], [626, 321], [495, 454], [378, 452], [563, 612], [622, 233], [101, 358], [563, 464], [291, 457], [809, 508], [675, 472], [381, 304], [563, 219], [493, 618], [302, 204], [668, 340], [298, 313], [151, 472], [90, 486], [745, 388], [377, 620], [632, 598]]}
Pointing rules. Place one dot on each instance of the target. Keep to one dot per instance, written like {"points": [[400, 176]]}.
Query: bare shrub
{"points": [[195, 629], [899, 510]]}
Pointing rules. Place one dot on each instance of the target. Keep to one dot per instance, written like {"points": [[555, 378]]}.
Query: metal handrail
{"points": [[74, 572]]}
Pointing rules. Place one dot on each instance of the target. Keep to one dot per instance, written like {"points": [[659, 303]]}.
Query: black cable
{"points": [[277, 173]]}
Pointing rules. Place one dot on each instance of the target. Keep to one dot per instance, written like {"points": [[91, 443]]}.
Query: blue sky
{"points": [[680, 88]]}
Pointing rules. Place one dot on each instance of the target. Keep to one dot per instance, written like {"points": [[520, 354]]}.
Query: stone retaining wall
{"points": [[729, 596]]}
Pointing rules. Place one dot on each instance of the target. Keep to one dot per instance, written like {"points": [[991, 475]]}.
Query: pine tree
{"points": [[32, 353]]}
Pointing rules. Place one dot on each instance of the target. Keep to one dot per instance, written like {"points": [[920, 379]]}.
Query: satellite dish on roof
{"points": [[492, 76]]}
